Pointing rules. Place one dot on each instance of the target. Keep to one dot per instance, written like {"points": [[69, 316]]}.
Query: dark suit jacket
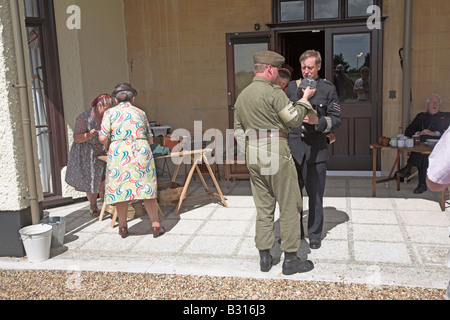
{"points": [[425, 120], [311, 140]]}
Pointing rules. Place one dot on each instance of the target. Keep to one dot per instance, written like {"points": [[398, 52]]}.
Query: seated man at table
{"points": [[428, 125]]}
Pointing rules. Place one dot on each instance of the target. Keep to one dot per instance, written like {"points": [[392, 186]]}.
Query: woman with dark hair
{"points": [[85, 172], [130, 172]]}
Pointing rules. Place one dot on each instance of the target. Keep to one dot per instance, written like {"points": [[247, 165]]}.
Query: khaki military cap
{"points": [[269, 57]]}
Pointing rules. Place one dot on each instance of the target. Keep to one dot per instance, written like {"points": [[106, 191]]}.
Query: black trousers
{"points": [[313, 178], [420, 161]]}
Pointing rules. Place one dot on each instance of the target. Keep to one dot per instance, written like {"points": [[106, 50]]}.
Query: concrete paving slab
{"points": [[436, 218], [373, 217], [428, 234], [395, 253], [381, 233], [335, 232]]}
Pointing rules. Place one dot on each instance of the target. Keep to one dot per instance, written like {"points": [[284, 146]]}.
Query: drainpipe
{"points": [[24, 105], [407, 66]]}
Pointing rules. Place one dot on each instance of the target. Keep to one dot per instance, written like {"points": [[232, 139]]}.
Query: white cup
{"points": [[401, 143], [409, 143], [393, 142]]}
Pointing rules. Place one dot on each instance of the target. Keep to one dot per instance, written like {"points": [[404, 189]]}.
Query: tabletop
{"points": [[421, 148]]}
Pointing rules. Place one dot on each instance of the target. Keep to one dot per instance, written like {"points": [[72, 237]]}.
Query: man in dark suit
{"points": [[428, 125], [309, 144]]}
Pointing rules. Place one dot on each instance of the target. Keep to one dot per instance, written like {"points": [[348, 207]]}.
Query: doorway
{"points": [[293, 44], [353, 51], [240, 73], [352, 48]]}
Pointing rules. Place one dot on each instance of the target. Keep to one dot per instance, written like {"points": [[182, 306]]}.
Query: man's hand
{"points": [[308, 93], [311, 119], [427, 133]]}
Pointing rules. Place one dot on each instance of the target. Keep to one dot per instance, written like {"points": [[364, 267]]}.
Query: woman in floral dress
{"points": [[130, 172], [85, 172]]}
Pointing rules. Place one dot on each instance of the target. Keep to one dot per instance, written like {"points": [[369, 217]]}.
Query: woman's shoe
{"points": [[123, 232], [158, 231], [94, 212]]}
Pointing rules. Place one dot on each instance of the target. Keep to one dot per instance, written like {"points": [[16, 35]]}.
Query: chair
{"points": [[112, 210], [414, 172], [134, 210], [445, 193], [165, 166], [106, 207]]}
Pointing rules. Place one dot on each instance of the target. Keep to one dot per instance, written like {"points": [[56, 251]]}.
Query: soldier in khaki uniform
{"points": [[263, 118]]}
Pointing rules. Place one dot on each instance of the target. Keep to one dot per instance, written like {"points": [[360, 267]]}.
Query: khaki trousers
{"points": [[280, 186]]}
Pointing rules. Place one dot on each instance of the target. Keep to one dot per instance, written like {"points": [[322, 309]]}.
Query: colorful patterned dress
{"points": [[130, 171]]}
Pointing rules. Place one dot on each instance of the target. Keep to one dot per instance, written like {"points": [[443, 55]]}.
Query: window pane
{"points": [[31, 8], [292, 10], [243, 64], [351, 65], [40, 108], [326, 9], [358, 8]]}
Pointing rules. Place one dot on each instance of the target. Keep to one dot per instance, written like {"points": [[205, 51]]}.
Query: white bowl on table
{"points": [[431, 142]]}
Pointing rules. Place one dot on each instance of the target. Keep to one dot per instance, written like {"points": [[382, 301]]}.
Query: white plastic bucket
{"points": [[36, 241]]}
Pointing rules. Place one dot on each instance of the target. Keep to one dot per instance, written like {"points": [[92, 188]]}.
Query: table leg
{"points": [[186, 185], [161, 214], [215, 181], [199, 172], [196, 159], [374, 176], [174, 177], [227, 173], [395, 168], [398, 168]]}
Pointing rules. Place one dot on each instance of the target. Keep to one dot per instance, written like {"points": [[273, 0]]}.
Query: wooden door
{"points": [[240, 71], [350, 53]]}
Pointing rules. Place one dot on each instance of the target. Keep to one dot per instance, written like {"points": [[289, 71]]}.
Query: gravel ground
{"points": [[63, 285]]}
